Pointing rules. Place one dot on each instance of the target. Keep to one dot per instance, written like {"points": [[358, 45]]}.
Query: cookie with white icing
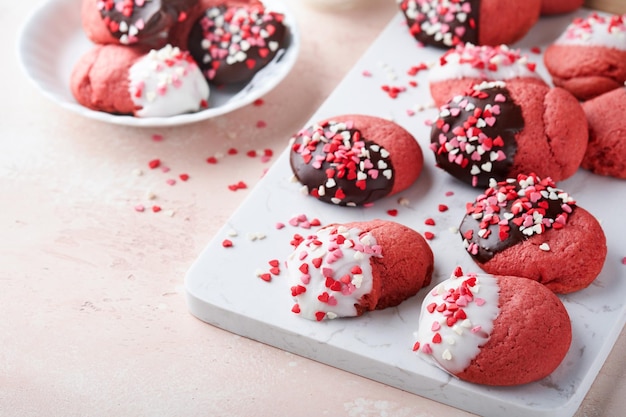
{"points": [[354, 160], [466, 65], [589, 58], [528, 227], [123, 80], [345, 270], [493, 330]]}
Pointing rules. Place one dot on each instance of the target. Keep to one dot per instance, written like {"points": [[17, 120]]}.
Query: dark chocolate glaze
{"points": [[152, 20], [232, 50], [496, 135], [453, 23], [504, 233], [314, 177]]}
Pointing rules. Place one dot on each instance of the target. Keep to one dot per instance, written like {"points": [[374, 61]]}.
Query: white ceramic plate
{"points": [[52, 40], [223, 289]]}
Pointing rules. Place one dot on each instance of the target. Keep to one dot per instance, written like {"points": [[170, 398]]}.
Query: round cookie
{"points": [[550, 7], [447, 23], [467, 64], [589, 58], [232, 43], [529, 228], [498, 130], [606, 151], [132, 22], [493, 330], [354, 160], [344, 270], [123, 80]]}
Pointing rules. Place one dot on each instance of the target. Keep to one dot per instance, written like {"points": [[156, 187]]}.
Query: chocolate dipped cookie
{"points": [[498, 130], [527, 227], [354, 160]]}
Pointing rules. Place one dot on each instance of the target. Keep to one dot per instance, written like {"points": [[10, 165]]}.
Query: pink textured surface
{"points": [[506, 21], [406, 266], [554, 138], [94, 318], [100, 78], [586, 71], [606, 152]]}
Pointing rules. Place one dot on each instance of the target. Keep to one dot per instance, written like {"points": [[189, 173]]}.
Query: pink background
{"points": [[93, 319]]}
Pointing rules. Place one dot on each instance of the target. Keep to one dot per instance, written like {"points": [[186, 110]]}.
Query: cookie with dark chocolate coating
{"points": [[527, 227], [498, 130], [354, 160], [447, 23], [133, 22], [232, 43]]}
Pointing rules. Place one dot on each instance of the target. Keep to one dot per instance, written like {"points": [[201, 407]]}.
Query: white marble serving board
{"points": [[223, 288]]}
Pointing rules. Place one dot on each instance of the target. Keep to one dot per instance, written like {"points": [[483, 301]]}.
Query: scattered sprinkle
{"points": [[227, 243], [238, 186]]}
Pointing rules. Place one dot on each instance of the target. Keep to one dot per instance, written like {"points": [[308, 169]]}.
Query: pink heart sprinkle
{"points": [[479, 301], [499, 98]]}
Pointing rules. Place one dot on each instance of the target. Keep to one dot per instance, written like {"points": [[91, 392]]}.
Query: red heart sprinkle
{"points": [[227, 243], [319, 316]]}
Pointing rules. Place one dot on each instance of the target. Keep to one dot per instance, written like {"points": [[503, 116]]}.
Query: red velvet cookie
{"points": [[589, 58], [550, 7], [232, 43], [132, 22], [493, 330], [466, 65], [498, 130], [124, 80], [353, 160], [606, 151], [529, 228], [344, 270], [447, 23]]}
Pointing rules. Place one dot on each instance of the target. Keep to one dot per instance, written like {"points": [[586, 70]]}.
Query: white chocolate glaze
{"points": [[167, 82], [482, 62], [330, 272], [596, 30], [456, 319]]}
